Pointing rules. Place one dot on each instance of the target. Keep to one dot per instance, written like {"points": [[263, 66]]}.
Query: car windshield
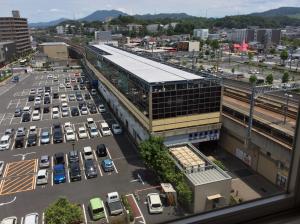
{"points": [[156, 205], [105, 129], [3, 142], [59, 171], [41, 177], [45, 135], [44, 161], [98, 210]]}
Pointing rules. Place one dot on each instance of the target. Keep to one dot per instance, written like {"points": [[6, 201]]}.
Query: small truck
{"points": [[114, 203]]}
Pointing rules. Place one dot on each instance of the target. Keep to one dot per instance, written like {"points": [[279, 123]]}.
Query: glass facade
{"points": [[171, 99]]}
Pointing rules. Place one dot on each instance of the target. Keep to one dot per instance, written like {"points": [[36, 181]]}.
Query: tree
{"points": [[284, 56], [272, 51], [285, 77], [253, 79], [250, 56], [215, 45], [232, 70], [63, 211], [269, 79]]}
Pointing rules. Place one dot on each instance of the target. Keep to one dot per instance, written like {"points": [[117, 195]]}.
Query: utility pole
{"points": [[286, 108], [250, 122]]}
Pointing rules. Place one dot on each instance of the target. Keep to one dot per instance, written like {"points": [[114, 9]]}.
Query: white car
{"points": [[10, 220], [154, 203], [55, 113], [42, 177], [4, 142], [36, 116], [72, 97], [40, 90], [102, 108], [37, 101], [1, 167], [116, 128], [32, 130], [105, 130], [65, 111], [32, 92], [68, 85], [32, 218], [63, 98], [87, 153], [84, 111], [70, 135], [67, 125], [94, 131], [61, 86], [93, 92], [27, 109], [82, 132], [49, 76]]}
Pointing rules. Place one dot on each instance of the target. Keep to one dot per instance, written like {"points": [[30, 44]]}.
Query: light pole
{"points": [[288, 96]]}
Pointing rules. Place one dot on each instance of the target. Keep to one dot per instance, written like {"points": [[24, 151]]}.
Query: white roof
{"points": [[53, 43], [146, 69]]}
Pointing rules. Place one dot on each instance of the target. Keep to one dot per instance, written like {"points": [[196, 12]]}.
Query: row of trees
{"points": [[157, 158], [269, 79]]}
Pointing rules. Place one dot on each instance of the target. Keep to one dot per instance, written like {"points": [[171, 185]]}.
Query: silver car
{"points": [[44, 161]]}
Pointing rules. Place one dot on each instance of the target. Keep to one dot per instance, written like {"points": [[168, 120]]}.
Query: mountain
{"points": [[103, 15], [174, 16], [293, 12], [47, 24]]}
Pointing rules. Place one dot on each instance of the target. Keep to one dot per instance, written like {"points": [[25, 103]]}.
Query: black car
{"points": [[75, 173], [47, 89], [93, 110], [82, 87], [79, 97], [19, 142], [18, 112], [30, 98], [75, 87], [32, 139], [26, 117], [87, 96], [59, 158], [81, 104], [101, 150], [57, 133], [55, 95], [47, 100], [46, 110], [73, 156], [74, 111], [90, 168]]}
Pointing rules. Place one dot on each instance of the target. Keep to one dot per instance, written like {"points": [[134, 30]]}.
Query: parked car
{"points": [[73, 156], [45, 136], [55, 95], [107, 165], [79, 97], [42, 177], [55, 113], [10, 220], [101, 108], [46, 109], [63, 98], [90, 168], [32, 139], [154, 203], [101, 150], [74, 111], [70, 134], [26, 117], [75, 87], [20, 131], [94, 131], [32, 218], [30, 98], [96, 209], [72, 97], [59, 158], [19, 142], [93, 92], [87, 96], [5, 142], [37, 101], [116, 128], [75, 172], [59, 174], [18, 112], [44, 161], [87, 153], [84, 111], [27, 109], [114, 203], [9, 131], [32, 91], [105, 130], [65, 111], [36, 116], [93, 109], [82, 132], [47, 100]]}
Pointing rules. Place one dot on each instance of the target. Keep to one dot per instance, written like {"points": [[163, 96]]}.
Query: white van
{"points": [[105, 130], [42, 177], [154, 203], [4, 142], [87, 153], [32, 218]]}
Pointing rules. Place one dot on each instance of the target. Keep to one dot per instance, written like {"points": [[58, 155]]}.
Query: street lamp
{"points": [[288, 96]]}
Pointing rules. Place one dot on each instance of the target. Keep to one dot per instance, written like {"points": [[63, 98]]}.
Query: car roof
{"points": [[154, 198], [107, 161], [30, 218], [42, 172], [96, 203], [44, 157], [87, 148], [5, 137], [59, 166], [9, 220]]}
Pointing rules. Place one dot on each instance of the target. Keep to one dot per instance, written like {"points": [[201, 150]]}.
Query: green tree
{"points": [[285, 77], [253, 79], [284, 56], [272, 51], [215, 45], [250, 56], [63, 211], [269, 79]]}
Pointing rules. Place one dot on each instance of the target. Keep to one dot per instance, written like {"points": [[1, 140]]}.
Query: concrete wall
{"points": [[132, 125], [56, 51], [201, 192]]}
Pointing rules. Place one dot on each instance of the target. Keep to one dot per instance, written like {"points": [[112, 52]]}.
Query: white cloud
{"points": [[55, 10]]}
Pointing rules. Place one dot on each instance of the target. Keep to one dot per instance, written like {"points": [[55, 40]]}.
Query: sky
{"points": [[48, 10]]}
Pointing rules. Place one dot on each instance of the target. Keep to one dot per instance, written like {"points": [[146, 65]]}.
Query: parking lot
{"points": [[19, 193]]}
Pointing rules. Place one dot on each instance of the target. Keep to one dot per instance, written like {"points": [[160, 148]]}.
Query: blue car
{"points": [[107, 165], [59, 174]]}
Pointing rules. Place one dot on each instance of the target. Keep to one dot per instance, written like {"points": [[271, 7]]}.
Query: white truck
{"points": [[114, 203]]}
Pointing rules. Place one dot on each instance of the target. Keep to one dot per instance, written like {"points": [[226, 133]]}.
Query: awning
{"points": [[213, 197]]}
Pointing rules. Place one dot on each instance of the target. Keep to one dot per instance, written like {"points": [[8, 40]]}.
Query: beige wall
{"points": [[201, 192], [267, 167], [56, 51]]}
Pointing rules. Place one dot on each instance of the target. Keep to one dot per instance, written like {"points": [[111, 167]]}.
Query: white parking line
{"points": [[112, 161], [67, 168], [43, 218], [105, 213], [21, 220], [14, 141], [81, 161], [84, 214], [2, 118], [52, 170], [39, 136], [51, 135], [97, 163]]}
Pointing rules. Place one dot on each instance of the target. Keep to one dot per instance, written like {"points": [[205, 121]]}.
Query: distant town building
{"points": [[55, 50], [60, 30], [188, 46], [103, 36], [201, 33], [7, 52], [213, 36], [170, 25], [152, 28], [134, 27], [15, 29]]}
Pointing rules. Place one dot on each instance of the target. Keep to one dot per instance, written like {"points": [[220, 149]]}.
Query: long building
{"points": [[154, 98], [15, 29]]}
